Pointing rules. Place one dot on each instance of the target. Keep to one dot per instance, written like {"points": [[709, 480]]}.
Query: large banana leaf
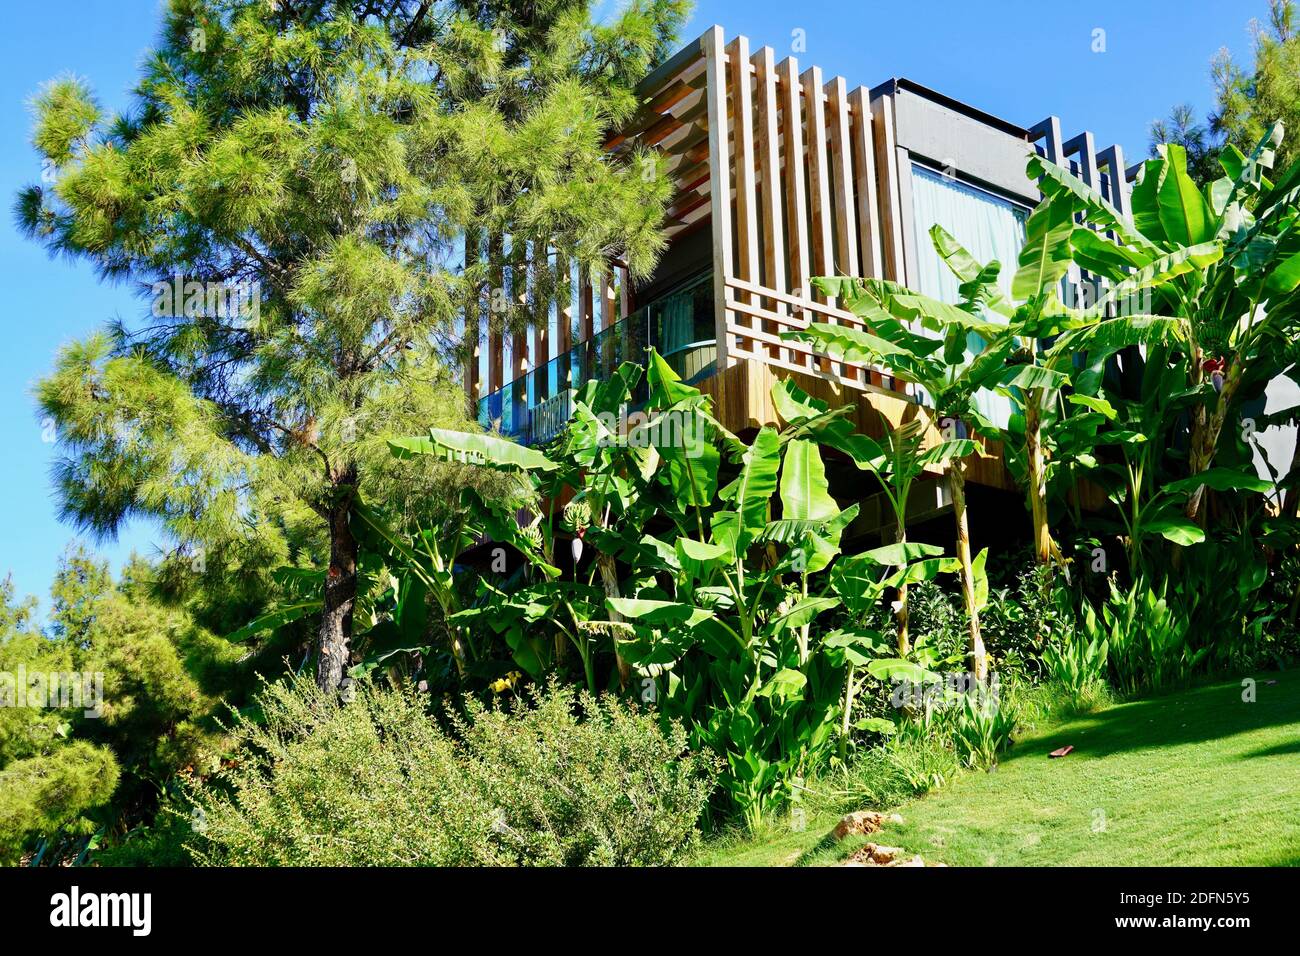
{"points": [[1157, 272], [1184, 214], [965, 267], [752, 490], [1112, 335], [805, 494], [473, 448], [1057, 179], [274, 619], [1045, 256]]}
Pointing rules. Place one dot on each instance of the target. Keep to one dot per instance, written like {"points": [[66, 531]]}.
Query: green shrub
{"points": [[375, 781], [1147, 639], [44, 794], [608, 789], [981, 728], [1078, 666]]}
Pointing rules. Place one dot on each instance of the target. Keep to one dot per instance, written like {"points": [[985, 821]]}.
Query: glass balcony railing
{"points": [[534, 407]]}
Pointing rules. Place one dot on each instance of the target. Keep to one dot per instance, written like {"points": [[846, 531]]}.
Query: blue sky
{"points": [[1018, 59]]}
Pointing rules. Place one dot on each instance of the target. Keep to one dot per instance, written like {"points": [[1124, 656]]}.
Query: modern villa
{"points": [[782, 174]]}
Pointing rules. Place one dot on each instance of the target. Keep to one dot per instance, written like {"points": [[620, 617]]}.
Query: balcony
{"points": [[680, 325]]}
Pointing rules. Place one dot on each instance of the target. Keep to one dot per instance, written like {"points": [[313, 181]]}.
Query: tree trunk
{"points": [[957, 483], [904, 642], [1205, 437], [609, 578], [1037, 477], [340, 588]]}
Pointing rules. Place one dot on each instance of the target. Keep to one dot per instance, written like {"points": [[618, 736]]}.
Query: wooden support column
{"points": [[473, 326], [864, 164], [819, 186], [715, 93], [496, 295], [541, 309], [891, 219], [742, 111], [796, 194], [587, 329], [769, 176], [563, 318]]}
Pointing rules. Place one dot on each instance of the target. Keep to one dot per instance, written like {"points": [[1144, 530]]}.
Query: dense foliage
{"points": [[555, 780]]}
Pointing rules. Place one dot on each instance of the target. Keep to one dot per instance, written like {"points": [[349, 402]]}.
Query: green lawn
{"points": [[1197, 778]]}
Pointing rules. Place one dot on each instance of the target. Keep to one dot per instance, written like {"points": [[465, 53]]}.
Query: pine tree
{"points": [[288, 192], [1251, 100], [1184, 129]]}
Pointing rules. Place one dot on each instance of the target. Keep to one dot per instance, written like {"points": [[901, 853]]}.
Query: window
{"points": [[988, 226]]}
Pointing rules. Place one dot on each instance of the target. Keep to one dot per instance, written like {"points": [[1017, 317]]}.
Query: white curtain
{"points": [[989, 227]]}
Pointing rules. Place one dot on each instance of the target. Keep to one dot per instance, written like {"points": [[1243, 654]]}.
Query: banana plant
{"points": [[1224, 262], [948, 371]]}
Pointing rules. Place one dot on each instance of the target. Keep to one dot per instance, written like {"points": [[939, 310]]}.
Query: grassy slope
{"points": [[1194, 778]]}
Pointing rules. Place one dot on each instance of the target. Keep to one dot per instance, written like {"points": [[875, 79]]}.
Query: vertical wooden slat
{"points": [[473, 325], [769, 174], [864, 164], [610, 309], [796, 195], [719, 188], [845, 260], [587, 317], [891, 220], [748, 257], [846, 224], [906, 219], [819, 185], [541, 354], [563, 317], [519, 295], [496, 341]]}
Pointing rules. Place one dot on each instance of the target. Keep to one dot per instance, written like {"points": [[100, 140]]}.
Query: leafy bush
{"points": [[982, 728], [375, 781], [609, 789], [1079, 667], [1147, 639], [46, 793], [904, 766], [1020, 620]]}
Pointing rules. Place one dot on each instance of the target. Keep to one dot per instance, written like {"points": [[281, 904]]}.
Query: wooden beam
{"points": [[719, 186], [748, 257], [796, 195], [819, 182], [846, 224], [496, 295], [587, 316], [769, 172], [891, 220], [541, 353], [864, 164]]}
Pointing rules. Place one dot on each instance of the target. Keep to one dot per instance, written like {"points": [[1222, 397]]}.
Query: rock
{"points": [[863, 822], [873, 854]]}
